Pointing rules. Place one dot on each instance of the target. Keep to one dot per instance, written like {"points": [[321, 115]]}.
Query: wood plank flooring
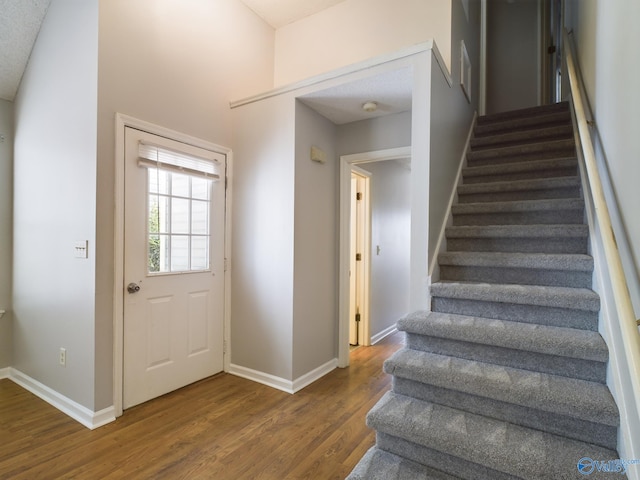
{"points": [[223, 427]]}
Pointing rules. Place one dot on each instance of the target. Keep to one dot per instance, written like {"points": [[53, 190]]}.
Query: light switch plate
{"points": [[81, 249]]}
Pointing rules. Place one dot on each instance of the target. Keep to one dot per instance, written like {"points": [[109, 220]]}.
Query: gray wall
{"points": [[381, 133], [6, 227], [391, 231], [315, 286], [451, 117], [177, 65], [54, 202], [512, 54]]}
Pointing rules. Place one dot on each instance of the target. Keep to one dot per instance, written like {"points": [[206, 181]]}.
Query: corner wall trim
{"points": [[81, 414], [384, 333], [5, 373], [283, 384]]}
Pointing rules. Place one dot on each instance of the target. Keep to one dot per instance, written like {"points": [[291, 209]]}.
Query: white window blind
{"points": [[153, 156]]}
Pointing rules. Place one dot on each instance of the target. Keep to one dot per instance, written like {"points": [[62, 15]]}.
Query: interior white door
{"points": [[174, 265]]}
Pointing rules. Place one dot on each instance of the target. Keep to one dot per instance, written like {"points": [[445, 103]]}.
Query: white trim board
{"points": [[283, 384], [81, 414], [5, 372], [346, 163], [378, 337]]}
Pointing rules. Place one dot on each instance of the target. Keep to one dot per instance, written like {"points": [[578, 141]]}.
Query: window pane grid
{"points": [[177, 222]]}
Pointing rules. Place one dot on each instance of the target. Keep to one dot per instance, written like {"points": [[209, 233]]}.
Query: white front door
{"points": [[173, 265]]}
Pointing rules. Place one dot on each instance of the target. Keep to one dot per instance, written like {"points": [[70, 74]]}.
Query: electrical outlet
{"points": [[63, 357]]}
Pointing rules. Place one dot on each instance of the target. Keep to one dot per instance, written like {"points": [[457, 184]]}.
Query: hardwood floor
{"points": [[223, 427]]}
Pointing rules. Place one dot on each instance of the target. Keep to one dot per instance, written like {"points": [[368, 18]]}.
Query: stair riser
{"points": [[518, 245], [532, 361], [526, 150], [520, 195], [543, 217], [483, 159], [526, 114], [530, 175], [525, 276], [561, 132], [521, 125], [441, 461], [553, 316], [597, 434]]}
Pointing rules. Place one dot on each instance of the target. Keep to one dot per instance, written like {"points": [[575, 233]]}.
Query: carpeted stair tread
{"points": [[549, 340], [526, 136], [502, 446], [519, 185], [494, 127], [568, 270], [377, 464], [552, 204], [538, 261], [574, 428], [524, 151], [528, 112], [581, 399], [471, 173], [517, 231], [543, 296]]}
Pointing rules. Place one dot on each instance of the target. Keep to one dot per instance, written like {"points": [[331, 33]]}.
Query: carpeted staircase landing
{"points": [[505, 378]]}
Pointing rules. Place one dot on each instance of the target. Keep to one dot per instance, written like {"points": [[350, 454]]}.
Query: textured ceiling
{"points": [[392, 91], [19, 26], [278, 13]]}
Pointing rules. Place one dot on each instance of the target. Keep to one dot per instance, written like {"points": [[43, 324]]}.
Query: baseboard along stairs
{"points": [[505, 377]]}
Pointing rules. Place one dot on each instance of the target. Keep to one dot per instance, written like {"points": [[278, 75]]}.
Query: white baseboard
{"points": [[4, 372], [282, 383], [313, 375], [384, 333], [81, 414]]}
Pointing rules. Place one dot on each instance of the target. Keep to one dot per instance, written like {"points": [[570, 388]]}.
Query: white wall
{"points": [[6, 227], [391, 232], [54, 202], [606, 35], [315, 286], [356, 30], [177, 65], [512, 55]]}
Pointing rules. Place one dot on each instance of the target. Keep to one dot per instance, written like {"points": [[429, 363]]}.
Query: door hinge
{"points": [[226, 264], [357, 317], [358, 257], [359, 196]]}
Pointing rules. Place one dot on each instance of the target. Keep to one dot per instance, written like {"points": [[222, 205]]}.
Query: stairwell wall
{"points": [[451, 114], [6, 227], [607, 37]]}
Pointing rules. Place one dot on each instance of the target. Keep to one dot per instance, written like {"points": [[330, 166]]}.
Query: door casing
{"points": [[346, 164], [121, 122]]}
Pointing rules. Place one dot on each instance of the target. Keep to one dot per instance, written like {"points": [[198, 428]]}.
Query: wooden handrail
{"points": [[623, 305]]}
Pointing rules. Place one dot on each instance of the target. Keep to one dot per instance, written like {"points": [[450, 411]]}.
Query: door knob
{"points": [[133, 288]]}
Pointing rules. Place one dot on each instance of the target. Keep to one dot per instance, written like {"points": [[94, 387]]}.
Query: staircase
{"points": [[505, 377]]}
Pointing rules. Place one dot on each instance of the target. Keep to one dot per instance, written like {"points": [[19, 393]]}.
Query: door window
{"points": [[177, 222]]}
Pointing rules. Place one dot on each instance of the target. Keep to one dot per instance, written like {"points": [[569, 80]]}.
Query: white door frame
{"points": [[121, 122], [363, 280], [346, 163]]}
